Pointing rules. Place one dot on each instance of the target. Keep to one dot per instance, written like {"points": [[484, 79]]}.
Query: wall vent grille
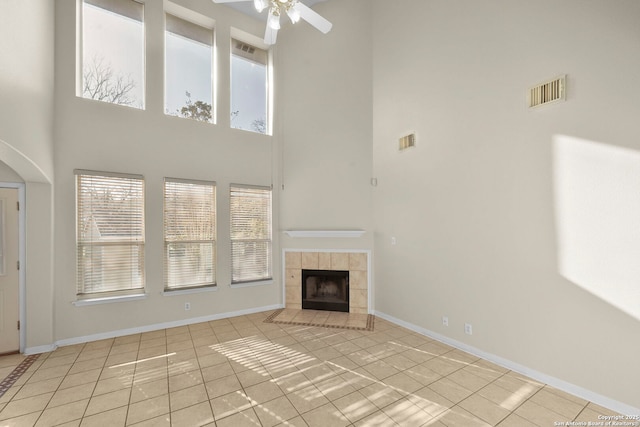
{"points": [[547, 92], [407, 141]]}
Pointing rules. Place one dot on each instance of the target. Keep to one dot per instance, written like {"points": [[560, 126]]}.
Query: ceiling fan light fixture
{"points": [[260, 5], [293, 12], [274, 19]]}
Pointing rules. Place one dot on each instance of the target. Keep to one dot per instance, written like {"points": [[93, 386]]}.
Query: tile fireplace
{"points": [[353, 266]]}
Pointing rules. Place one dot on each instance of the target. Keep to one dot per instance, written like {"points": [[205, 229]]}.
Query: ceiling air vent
{"points": [[547, 92], [407, 141], [245, 47]]}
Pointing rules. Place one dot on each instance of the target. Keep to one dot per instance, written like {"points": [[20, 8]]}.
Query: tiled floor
{"points": [[244, 372]]}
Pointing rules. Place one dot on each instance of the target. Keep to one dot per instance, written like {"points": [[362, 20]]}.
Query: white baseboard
{"points": [[39, 349], [155, 327], [573, 389]]}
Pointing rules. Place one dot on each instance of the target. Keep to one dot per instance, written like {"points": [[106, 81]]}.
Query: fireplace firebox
{"points": [[325, 290]]}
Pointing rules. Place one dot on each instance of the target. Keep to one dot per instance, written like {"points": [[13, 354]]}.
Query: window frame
{"points": [[268, 276], [202, 25], [168, 242], [261, 55], [93, 180], [111, 6]]}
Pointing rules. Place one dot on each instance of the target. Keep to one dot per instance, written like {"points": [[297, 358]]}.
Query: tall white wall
{"points": [[324, 99], [484, 209], [26, 146], [104, 137]]}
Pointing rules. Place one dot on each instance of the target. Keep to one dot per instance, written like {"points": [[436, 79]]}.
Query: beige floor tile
{"points": [[147, 409], [429, 401], [380, 370], [185, 380], [28, 420], [62, 414], [468, 380], [514, 420], [38, 387], [230, 404], [507, 399], [459, 417], [263, 392], [560, 405], [196, 415], [403, 412], [159, 421], [355, 406], [71, 394], [325, 416], [246, 418], [378, 419], [450, 390], [222, 386], [187, 397], [86, 377], [403, 383], [236, 371], [49, 373], [112, 418], [113, 384], [538, 414], [108, 401], [143, 390], [16, 408], [484, 409], [276, 411], [307, 399]]}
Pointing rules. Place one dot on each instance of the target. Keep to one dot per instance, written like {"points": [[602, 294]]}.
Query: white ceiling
{"points": [[247, 8]]}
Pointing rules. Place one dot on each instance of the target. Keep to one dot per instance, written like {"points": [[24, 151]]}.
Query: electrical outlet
{"points": [[445, 320], [187, 306], [394, 241], [468, 329]]}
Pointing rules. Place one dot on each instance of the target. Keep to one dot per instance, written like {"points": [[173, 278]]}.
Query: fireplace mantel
{"points": [[325, 233]]}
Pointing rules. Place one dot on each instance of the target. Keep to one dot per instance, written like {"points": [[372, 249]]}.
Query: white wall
{"points": [[324, 100], [104, 137], [475, 206], [26, 146]]}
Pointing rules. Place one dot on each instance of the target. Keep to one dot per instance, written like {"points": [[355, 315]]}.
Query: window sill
{"points": [[107, 300], [170, 293], [252, 284]]}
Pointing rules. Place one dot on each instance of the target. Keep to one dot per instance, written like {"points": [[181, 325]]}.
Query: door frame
{"points": [[22, 274]]}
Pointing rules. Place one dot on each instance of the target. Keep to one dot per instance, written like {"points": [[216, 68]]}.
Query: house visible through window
{"points": [[188, 70], [110, 233], [189, 233], [249, 88], [250, 233], [113, 51]]}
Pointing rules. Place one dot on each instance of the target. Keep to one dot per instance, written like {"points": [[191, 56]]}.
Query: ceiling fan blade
{"points": [[229, 1], [313, 18]]}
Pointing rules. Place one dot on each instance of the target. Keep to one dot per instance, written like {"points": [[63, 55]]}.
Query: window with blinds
{"points": [[110, 233], [250, 233], [189, 233]]}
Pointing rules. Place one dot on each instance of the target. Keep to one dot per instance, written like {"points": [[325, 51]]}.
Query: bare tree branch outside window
{"points": [[102, 83]]}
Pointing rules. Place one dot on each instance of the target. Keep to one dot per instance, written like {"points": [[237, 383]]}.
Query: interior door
{"points": [[9, 274]]}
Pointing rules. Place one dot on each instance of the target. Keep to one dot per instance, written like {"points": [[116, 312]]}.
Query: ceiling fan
{"points": [[295, 9]]}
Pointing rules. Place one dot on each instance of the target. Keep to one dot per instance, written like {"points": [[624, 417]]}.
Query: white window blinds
{"points": [[189, 233], [250, 233], [110, 233]]}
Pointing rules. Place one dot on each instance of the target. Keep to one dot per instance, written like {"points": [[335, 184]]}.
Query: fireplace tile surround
{"points": [[357, 263]]}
